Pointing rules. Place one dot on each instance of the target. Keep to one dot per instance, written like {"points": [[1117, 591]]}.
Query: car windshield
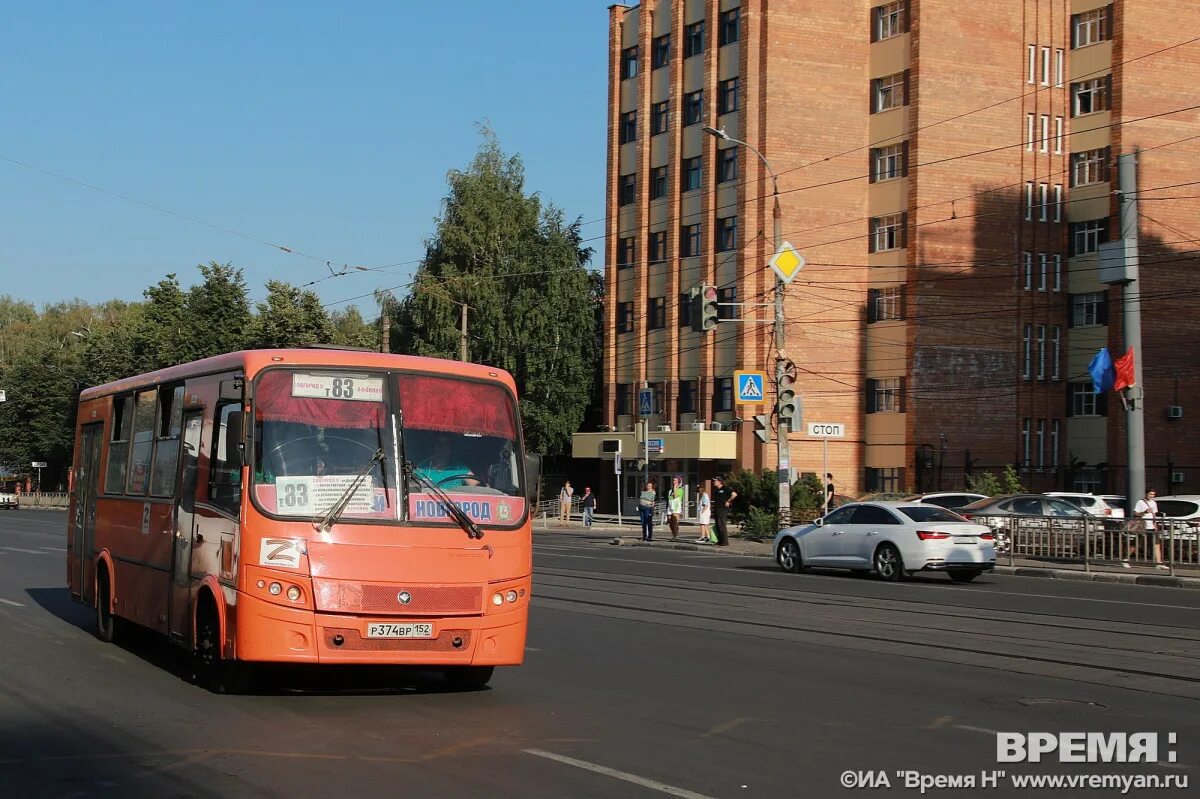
{"points": [[317, 429], [927, 513]]}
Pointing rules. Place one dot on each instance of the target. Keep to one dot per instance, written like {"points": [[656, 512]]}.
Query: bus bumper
{"points": [[267, 632]]}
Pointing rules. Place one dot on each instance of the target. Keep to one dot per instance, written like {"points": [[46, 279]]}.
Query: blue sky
{"points": [[324, 127]]}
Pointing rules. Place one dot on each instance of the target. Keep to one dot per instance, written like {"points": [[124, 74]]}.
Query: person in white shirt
{"points": [[1146, 509], [564, 502]]}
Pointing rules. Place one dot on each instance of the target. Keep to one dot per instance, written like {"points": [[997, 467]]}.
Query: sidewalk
{"points": [[629, 534]]}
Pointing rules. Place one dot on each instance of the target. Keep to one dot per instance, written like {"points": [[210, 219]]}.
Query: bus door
{"points": [[87, 481], [179, 611]]}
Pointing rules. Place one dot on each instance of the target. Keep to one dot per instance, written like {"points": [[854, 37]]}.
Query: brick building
{"points": [[947, 172]]}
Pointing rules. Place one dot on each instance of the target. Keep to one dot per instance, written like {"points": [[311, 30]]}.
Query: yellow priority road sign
{"points": [[787, 262]]}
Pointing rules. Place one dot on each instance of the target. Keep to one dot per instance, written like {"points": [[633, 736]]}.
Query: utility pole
{"points": [[462, 335], [1131, 316], [385, 333]]}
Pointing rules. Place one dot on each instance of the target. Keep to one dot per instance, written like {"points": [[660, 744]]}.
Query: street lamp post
{"points": [[783, 451]]}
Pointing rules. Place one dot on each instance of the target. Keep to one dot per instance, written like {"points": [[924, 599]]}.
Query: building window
{"points": [[1089, 96], [727, 165], [628, 189], [726, 233], [727, 96], [628, 127], [692, 176], [886, 304], [885, 395], [685, 309], [1057, 272], [1058, 202], [658, 117], [624, 398], [660, 51], [1029, 199], [889, 20], [889, 92], [687, 396], [1086, 237], [1025, 443], [1041, 443], [730, 23], [1026, 351], [1044, 143], [727, 307], [693, 39], [658, 246], [629, 62], [1089, 166], [890, 481], [1083, 400], [1056, 354], [1027, 262], [626, 252], [625, 317], [1089, 309], [1029, 132], [656, 313], [693, 108], [1058, 135], [1041, 347], [1043, 274], [658, 182], [889, 162], [1045, 66], [887, 232], [689, 240], [1031, 74], [1086, 481], [1044, 201], [1058, 67], [1091, 27], [722, 394], [1054, 443]]}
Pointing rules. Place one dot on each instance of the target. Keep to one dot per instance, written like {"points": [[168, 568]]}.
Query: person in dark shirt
{"points": [[828, 503], [722, 500], [589, 506]]}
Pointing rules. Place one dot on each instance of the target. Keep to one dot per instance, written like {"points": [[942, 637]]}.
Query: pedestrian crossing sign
{"points": [[749, 386]]}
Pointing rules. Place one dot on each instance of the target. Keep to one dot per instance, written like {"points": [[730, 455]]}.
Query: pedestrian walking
{"points": [[828, 502], [1146, 509], [722, 500], [675, 506], [703, 515], [646, 502], [564, 502], [589, 506]]}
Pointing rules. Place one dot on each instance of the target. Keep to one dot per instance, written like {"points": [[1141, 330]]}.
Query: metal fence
{"points": [[1096, 541]]}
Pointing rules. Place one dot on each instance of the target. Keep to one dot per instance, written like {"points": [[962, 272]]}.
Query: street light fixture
{"points": [[781, 436]]}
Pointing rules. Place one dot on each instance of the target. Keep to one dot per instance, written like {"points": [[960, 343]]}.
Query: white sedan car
{"points": [[891, 538]]}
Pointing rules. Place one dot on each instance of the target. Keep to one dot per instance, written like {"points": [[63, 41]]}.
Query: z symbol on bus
{"points": [[279, 552]]}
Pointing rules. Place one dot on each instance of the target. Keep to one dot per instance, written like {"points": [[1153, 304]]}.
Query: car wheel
{"points": [[888, 563], [963, 577], [789, 557]]}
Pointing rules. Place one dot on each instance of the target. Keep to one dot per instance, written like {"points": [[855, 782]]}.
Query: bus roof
{"points": [[253, 361]]}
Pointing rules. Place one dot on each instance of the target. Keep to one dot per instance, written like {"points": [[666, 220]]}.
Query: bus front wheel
{"points": [[106, 622], [209, 669], [469, 678]]}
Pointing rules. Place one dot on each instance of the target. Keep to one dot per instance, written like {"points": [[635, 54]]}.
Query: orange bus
{"points": [[308, 506]]}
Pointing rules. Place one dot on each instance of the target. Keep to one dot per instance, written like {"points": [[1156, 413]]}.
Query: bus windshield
{"points": [[316, 430]]}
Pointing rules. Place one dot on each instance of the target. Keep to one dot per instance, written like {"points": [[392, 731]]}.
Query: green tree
{"points": [[350, 330], [289, 317], [218, 311], [1011, 481], [520, 270], [163, 335], [37, 422], [984, 483]]}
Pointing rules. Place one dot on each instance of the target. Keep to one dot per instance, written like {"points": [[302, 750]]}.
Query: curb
{"points": [[1162, 581]]}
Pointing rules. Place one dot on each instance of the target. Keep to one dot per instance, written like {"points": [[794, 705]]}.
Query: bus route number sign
{"points": [[343, 387]]}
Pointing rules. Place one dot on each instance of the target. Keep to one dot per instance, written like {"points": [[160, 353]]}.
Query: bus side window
{"points": [[224, 466], [118, 446]]}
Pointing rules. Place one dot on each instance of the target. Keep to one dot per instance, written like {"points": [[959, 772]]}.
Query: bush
{"points": [[986, 483], [1012, 481], [759, 525]]}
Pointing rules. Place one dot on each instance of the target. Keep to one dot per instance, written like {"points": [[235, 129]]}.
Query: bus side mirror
{"points": [[235, 437], [533, 475]]}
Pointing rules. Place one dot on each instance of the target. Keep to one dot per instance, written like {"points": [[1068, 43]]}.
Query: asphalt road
{"points": [[650, 673]]}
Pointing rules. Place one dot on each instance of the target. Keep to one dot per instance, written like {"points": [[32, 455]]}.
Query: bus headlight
{"points": [[511, 596], [497, 598], [293, 593], [274, 589]]}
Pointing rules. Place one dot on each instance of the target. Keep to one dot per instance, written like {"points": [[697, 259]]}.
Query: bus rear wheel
{"points": [[469, 678]]}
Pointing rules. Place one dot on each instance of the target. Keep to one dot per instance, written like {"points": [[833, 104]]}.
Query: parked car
{"points": [[1118, 503], [892, 539], [8, 501], [947, 499], [1184, 508], [1035, 525], [1090, 503]]}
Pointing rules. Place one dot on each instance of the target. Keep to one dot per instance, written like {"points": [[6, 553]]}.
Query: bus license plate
{"points": [[392, 630]]}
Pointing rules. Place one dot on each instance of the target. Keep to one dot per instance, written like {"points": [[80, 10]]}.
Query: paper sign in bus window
{"points": [[311, 495]]}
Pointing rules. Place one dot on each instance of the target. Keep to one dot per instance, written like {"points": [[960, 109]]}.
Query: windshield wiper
{"points": [[325, 522], [464, 521]]}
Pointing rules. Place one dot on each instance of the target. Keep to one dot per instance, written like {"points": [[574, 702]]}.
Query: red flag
{"points": [[1124, 369]]}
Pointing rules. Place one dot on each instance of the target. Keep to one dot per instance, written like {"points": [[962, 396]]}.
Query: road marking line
{"points": [[653, 785], [56, 549], [721, 729], [26, 551], [983, 730], [10, 602], [940, 721], [532, 649]]}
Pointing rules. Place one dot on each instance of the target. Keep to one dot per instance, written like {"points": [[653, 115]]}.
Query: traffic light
{"points": [[762, 427], [787, 404], [704, 308]]}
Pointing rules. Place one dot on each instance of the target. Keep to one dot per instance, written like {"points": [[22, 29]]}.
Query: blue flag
{"points": [[1103, 373]]}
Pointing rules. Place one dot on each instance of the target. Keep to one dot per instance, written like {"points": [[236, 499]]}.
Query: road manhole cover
{"points": [[1050, 702]]}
